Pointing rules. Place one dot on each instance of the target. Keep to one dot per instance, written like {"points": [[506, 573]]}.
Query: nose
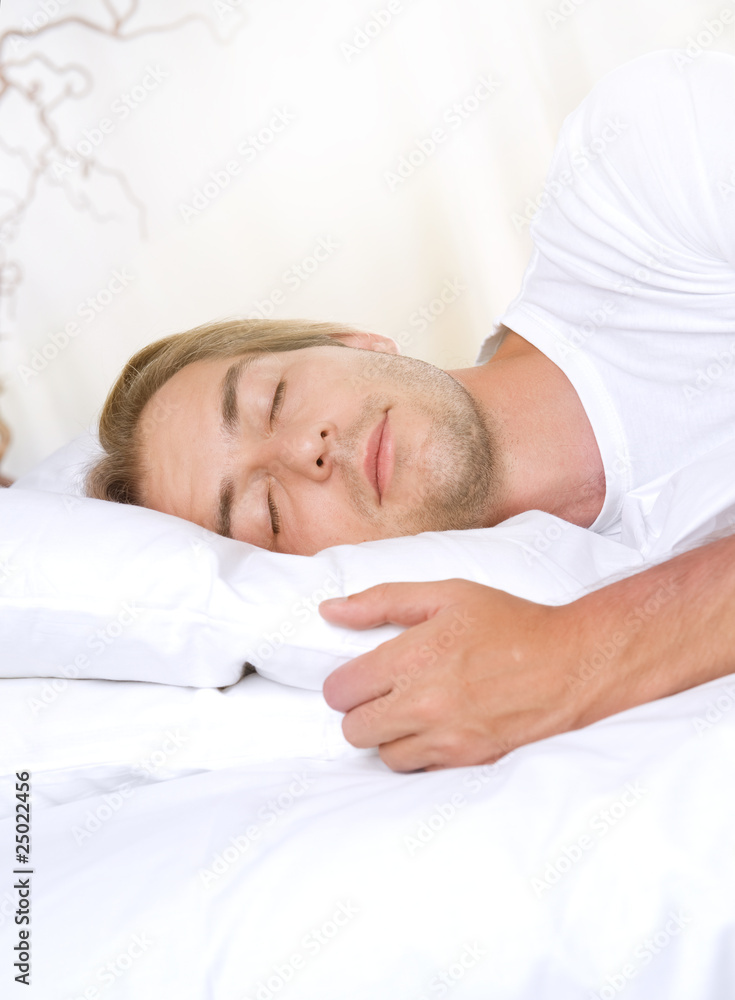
{"points": [[304, 449]]}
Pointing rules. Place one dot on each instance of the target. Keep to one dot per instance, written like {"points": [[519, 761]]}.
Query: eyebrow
{"points": [[228, 393], [230, 423]]}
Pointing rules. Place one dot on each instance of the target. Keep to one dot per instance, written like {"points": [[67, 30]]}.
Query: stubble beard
{"points": [[452, 481]]}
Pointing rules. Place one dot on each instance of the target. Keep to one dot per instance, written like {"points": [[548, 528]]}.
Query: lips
{"points": [[384, 460], [375, 459]]}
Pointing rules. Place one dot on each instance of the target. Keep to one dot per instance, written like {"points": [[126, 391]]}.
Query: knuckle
{"points": [[451, 747], [395, 760], [427, 708]]}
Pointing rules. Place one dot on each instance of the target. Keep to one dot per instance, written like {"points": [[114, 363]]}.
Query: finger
{"points": [[407, 755], [399, 603], [361, 680], [391, 665], [382, 720]]}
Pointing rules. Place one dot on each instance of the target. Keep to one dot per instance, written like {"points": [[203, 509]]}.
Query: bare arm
{"points": [[671, 627], [479, 672]]}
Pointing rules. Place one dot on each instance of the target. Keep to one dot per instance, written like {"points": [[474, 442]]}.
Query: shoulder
{"points": [[667, 83]]}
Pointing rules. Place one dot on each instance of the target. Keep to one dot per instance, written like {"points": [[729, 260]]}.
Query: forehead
{"points": [[204, 378], [195, 385], [177, 422], [211, 370]]}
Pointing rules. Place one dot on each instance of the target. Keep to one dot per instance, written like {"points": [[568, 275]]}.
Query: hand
{"points": [[477, 673]]}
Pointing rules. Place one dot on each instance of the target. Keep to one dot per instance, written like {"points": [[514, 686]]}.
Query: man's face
{"points": [[362, 445]]}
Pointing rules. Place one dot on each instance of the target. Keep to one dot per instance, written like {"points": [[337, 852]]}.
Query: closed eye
{"points": [[277, 403], [275, 516], [277, 400]]}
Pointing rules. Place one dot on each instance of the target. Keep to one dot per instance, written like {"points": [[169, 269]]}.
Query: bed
{"points": [[213, 835]]}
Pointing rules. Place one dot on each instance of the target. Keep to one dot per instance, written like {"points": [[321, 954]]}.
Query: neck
{"points": [[547, 455]]}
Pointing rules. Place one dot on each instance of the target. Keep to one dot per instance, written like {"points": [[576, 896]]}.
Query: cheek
{"points": [[321, 521]]}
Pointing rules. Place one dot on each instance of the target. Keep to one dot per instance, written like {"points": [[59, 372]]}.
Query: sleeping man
{"points": [[615, 365]]}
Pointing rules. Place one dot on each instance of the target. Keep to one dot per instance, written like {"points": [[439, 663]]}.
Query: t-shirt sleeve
{"points": [[644, 170], [631, 284]]}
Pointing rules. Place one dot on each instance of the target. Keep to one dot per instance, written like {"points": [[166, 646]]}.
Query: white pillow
{"points": [[90, 588], [64, 470], [95, 589]]}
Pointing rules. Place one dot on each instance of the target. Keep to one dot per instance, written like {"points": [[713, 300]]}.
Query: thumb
{"points": [[399, 603]]}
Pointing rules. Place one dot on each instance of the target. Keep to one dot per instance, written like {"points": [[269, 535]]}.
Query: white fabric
{"points": [[631, 286], [63, 471], [338, 878], [59, 727], [90, 588], [93, 589], [657, 519]]}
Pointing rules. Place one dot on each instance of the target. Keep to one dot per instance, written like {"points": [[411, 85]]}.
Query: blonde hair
{"points": [[116, 476]]}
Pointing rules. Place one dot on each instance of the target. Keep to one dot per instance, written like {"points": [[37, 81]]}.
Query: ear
{"points": [[368, 341]]}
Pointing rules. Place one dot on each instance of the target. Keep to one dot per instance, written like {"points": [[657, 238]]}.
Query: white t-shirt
{"points": [[631, 286]]}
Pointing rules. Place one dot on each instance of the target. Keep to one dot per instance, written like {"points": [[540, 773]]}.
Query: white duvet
{"points": [[173, 859]]}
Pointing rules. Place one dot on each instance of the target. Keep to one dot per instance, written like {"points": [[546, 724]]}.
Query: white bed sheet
{"points": [[56, 727], [360, 883]]}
